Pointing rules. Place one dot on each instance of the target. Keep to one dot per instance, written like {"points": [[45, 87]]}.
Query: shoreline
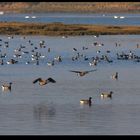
{"points": [[60, 29]]}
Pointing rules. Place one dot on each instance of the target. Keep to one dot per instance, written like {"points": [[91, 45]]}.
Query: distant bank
{"points": [[60, 29], [93, 7]]}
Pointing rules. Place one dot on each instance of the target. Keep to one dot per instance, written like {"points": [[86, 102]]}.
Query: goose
{"points": [[44, 82], [58, 58], [50, 63], [64, 36], [86, 101], [1, 62], [122, 17], [93, 63], [49, 49], [115, 16], [74, 49], [33, 17], [27, 17], [6, 87], [11, 61], [106, 94], [82, 73], [115, 76]]}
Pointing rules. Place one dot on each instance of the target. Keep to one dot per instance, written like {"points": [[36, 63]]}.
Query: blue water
{"points": [[75, 18], [55, 109]]}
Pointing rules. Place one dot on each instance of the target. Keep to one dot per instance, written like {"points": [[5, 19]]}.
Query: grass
{"points": [[58, 29]]}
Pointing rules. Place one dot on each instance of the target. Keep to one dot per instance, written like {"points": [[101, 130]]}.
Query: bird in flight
{"points": [[82, 73], [44, 82]]}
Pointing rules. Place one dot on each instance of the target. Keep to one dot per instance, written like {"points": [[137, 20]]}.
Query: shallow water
{"points": [[55, 109]]}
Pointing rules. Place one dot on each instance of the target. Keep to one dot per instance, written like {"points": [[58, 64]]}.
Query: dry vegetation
{"points": [[95, 7], [52, 29], [57, 29]]}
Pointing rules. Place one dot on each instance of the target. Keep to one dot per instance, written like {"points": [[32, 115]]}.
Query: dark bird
{"points": [[44, 82], [74, 49], [82, 73]]}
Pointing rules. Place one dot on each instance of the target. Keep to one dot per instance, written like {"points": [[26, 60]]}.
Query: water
{"points": [[55, 108], [75, 18]]}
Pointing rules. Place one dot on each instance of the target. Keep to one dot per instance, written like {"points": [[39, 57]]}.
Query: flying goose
{"points": [[44, 82], [82, 73]]}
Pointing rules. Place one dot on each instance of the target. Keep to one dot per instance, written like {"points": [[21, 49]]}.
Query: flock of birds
{"points": [[35, 58], [42, 82]]}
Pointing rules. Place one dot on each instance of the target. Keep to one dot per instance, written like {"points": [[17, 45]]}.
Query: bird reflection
{"points": [[43, 112]]}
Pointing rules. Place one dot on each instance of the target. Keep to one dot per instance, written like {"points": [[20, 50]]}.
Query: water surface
{"points": [[55, 109], [75, 18]]}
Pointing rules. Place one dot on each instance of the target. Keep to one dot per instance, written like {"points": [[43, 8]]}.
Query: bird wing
{"points": [[82, 71], [51, 80], [75, 71], [36, 80]]}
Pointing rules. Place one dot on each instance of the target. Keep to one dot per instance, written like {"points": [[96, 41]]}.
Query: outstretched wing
{"points": [[82, 71], [36, 80], [51, 80], [75, 71]]}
